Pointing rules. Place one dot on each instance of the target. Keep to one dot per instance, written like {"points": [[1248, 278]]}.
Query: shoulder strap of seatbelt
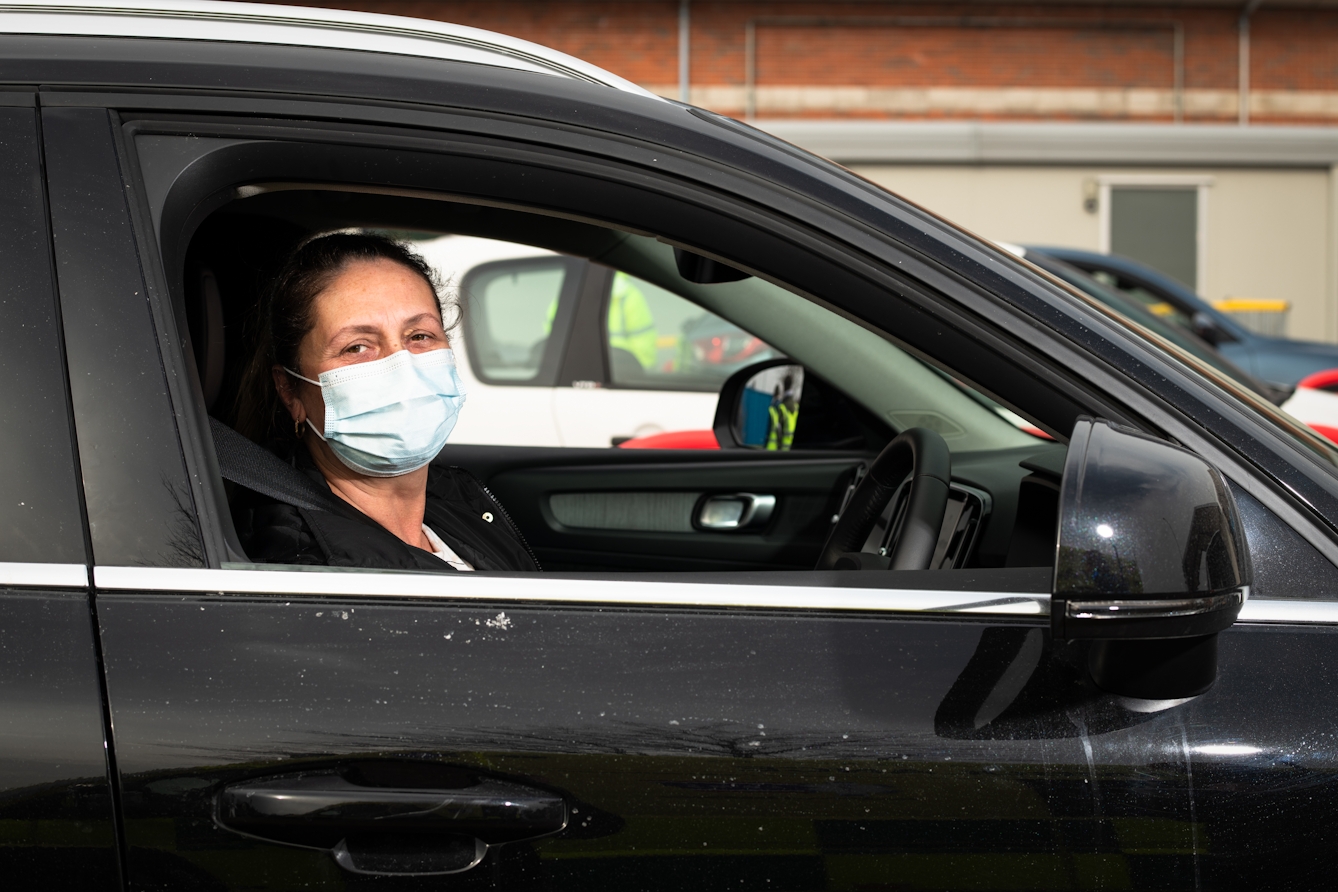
{"points": [[260, 470]]}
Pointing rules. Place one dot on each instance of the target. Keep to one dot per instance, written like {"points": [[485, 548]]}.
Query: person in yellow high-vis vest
{"points": [[784, 417], [631, 324]]}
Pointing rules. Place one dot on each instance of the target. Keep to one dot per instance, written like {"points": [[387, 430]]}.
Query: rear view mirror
{"points": [[1151, 561], [759, 406], [704, 270]]}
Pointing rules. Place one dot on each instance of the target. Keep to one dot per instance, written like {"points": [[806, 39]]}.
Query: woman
{"points": [[353, 382]]}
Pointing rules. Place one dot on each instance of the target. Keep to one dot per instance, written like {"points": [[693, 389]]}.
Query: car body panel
{"points": [[56, 807], [789, 751]]}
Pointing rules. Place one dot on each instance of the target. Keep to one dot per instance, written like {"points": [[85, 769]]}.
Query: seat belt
{"points": [[261, 471]]}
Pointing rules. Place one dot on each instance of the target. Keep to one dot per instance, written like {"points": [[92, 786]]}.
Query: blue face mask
{"points": [[391, 416]]}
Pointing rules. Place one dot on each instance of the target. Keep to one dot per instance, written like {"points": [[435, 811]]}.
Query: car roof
{"points": [[298, 26]]}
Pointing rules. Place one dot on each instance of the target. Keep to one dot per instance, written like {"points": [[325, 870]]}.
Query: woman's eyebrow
{"points": [[376, 329], [355, 329]]}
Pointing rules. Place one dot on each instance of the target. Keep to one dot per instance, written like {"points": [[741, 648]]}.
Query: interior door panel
{"points": [[808, 489]]}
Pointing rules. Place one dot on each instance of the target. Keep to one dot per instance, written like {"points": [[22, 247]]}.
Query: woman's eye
{"points": [[356, 348]]}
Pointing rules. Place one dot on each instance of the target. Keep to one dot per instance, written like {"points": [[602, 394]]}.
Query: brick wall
{"points": [[977, 60]]}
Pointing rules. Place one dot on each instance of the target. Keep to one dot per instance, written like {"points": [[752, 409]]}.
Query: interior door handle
{"points": [[736, 511], [389, 830]]}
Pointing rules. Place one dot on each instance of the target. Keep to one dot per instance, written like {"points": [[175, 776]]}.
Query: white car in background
{"points": [[556, 350]]}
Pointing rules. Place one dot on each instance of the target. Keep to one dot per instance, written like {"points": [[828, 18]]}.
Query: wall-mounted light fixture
{"points": [[1091, 195]]}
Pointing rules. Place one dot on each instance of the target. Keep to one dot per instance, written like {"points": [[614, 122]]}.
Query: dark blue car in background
{"points": [[1279, 361]]}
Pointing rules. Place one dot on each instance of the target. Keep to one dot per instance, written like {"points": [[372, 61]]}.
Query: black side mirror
{"points": [[760, 403], [803, 411], [1151, 561], [704, 270]]}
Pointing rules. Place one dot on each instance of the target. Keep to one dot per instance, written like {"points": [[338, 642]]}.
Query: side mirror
{"points": [[1206, 327], [704, 270], [759, 406], [1151, 562], [803, 410]]}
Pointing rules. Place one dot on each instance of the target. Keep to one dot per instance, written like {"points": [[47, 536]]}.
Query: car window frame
{"points": [[1109, 378]]}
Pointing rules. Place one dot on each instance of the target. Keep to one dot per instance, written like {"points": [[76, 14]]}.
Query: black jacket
{"points": [[460, 510]]}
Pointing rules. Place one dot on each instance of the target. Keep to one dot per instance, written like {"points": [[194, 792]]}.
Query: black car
{"points": [[918, 649]]}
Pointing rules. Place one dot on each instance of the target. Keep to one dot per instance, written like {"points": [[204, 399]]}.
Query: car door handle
{"points": [[735, 511], [389, 830]]}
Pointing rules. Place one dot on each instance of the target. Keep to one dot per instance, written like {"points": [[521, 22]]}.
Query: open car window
{"points": [[573, 336]]}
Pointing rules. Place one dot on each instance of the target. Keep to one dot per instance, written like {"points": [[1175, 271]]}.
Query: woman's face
{"points": [[371, 309]]}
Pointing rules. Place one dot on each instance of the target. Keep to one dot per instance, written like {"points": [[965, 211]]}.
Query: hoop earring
{"points": [[297, 429]]}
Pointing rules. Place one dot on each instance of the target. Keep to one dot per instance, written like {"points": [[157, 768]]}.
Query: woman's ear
{"points": [[283, 384]]}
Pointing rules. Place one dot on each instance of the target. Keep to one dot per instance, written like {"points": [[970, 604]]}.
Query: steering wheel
{"points": [[921, 454]]}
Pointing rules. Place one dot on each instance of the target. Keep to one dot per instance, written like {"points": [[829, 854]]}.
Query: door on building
{"points": [[1160, 226]]}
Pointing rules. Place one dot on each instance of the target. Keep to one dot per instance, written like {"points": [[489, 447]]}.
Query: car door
{"points": [[783, 730], [57, 823]]}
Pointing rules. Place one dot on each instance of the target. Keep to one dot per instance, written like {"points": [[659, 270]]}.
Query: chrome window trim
{"points": [[14, 573], [470, 587], [299, 26], [1159, 608], [1307, 612]]}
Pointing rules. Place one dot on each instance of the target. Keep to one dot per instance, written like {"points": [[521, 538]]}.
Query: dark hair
{"points": [[287, 316]]}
